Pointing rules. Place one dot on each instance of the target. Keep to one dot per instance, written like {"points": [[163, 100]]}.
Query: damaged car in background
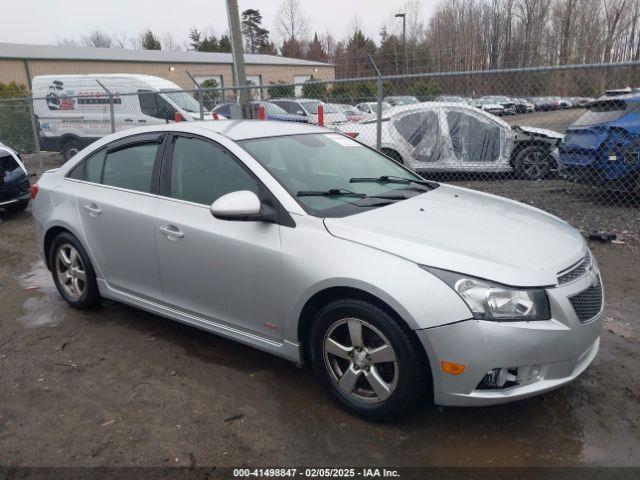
{"points": [[446, 137], [14, 181], [602, 147]]}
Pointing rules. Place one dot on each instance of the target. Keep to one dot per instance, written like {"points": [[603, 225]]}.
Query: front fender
{"points": [[418, 297]]}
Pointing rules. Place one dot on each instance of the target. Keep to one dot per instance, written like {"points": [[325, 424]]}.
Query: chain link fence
{"points": [[565, 139]]}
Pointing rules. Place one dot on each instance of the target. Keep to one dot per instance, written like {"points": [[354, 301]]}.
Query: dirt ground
{"points": [[118, 386]]}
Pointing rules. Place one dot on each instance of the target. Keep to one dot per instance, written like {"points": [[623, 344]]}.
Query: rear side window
{"points": [[90, 169], [130, 167], [422, 131], [202, 172]]}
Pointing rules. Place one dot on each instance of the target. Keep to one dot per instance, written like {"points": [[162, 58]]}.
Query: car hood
{"points": [[470, 232]]}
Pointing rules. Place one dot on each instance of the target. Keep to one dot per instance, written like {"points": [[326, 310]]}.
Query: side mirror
{"points": [[241, 205]]}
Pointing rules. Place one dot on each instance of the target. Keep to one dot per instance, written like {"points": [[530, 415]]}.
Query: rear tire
{"points": [[70, 149], [533, 163], [73, 273], [392, 154], [378, 373], [17, 207]]}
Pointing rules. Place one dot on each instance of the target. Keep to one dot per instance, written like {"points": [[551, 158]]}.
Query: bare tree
{"points": [[291, 23], [97, 38], [120, 40], [169, 42], [67, 42]]}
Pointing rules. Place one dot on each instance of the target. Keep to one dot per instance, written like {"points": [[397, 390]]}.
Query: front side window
{"points": [[323, 162], [154, 105], [202, 172], [472, 139], [130, 167]]}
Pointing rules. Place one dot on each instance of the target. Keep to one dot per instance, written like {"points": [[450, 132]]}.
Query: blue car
{"points": [[602, 147], [272, 111]]}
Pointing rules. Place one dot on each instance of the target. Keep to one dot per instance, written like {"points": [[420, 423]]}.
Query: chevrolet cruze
{"points": [[305, 243]]}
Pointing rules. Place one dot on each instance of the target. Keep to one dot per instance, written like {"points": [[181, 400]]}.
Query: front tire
{"points": [[533, 163], [73, 273], [366, 360]]}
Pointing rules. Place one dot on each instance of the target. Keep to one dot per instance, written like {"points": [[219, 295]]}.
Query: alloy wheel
{"points": [[70, 270], [361, 360], [534, 164]]}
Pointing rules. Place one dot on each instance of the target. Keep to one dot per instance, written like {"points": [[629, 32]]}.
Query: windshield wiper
{"points": [[332, 192], [342, 192], [393, 179]]}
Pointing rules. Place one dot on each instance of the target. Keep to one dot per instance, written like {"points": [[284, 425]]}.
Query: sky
{"points": [[47, 21]]}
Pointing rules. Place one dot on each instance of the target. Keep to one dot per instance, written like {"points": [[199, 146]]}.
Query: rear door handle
{"points": [[128, 119], [172, 232], [92, 209]]}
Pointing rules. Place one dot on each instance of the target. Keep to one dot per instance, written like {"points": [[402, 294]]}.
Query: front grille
{"points": [[576, 271], [588, 303]]}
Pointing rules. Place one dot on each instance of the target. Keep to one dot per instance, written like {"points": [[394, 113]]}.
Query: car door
{"points": [[222, 271], [116, 202]]}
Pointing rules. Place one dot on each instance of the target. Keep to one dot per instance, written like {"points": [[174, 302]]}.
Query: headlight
{"points": [[492, 301]]}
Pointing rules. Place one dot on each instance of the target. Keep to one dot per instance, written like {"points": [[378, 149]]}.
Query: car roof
{"points": [[234, 129]]}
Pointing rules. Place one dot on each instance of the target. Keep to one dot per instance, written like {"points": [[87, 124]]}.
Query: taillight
{"points": [[34, 191], [178, 117], [351, 134]]}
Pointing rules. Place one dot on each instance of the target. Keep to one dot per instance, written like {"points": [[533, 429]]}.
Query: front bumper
{"points": [[557, 350]]}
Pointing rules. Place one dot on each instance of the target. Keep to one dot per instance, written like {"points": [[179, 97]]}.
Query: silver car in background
{"points": [[305, 243]]}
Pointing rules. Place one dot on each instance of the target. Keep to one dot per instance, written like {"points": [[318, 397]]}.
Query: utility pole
{"points": [[404, 40], [238, 54]]}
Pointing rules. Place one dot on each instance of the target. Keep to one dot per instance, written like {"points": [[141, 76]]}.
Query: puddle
{"points": [[37, 278], [40, 311]]}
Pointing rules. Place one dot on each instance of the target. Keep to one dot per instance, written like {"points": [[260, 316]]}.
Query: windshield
{"points": [[185, 101], [273, 109], [321, 162], [404, 100], [311, 106], [605, 111]]}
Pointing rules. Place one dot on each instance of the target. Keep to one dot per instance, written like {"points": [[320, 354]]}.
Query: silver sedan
{"points": [[305, 243]]}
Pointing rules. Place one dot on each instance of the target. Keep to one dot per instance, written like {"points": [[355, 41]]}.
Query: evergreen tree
{"points": [[149, 41]]}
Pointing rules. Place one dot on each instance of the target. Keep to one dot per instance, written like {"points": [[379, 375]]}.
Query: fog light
{"points": [[496, 378]]}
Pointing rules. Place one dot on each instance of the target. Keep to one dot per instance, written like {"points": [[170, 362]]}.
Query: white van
{"points": [[73, 110]]}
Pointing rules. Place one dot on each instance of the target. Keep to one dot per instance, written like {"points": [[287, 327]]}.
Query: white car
{"points": [[74, 110], [372, 107], [449, 137], [308, 107]]}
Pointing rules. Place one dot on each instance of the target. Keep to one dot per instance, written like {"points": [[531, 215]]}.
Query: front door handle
{"points": [[93, 209], [172, 232], [128, 119]]}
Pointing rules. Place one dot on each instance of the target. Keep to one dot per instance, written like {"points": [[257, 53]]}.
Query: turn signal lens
{"points": [[451, 368]]}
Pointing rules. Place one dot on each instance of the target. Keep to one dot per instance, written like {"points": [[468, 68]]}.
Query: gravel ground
{"points": [[118, 386]]}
